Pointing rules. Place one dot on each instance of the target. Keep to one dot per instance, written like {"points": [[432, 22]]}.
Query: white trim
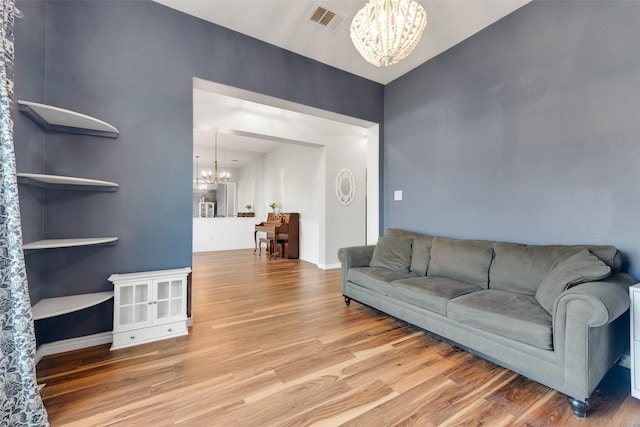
{"points": [[235, 92], [77, 343], [329, 266], [72, 344], [143, 275]]}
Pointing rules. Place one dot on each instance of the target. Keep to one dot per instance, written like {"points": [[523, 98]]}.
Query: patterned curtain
{"points": [[20, 403]]}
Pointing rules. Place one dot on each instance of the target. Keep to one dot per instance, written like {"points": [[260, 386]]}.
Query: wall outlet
{"points": [[397, 195]]}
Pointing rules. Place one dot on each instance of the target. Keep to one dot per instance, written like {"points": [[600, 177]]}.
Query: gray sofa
{"points": [[554, 314]]}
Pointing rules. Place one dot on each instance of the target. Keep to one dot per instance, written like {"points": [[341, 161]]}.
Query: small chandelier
{"points": [[213, 177], [386, 31]]}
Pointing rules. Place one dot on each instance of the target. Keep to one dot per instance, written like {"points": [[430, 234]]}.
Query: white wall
{"points": [[293, 180], [250, 188], [221, 234], [345, 225], [301, 178]]}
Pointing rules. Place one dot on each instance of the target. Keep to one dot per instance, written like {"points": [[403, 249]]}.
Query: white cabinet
{"points": [[149, 306], [207, 209], [634, 293]]}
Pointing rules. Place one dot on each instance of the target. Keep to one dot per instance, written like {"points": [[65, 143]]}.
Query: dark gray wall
{"points": [[131, 63], [528, 131]]}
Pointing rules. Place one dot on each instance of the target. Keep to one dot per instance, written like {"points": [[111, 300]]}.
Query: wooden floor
{"points": [[273, 344]]}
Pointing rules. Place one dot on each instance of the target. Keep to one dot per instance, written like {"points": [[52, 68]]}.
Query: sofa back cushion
{"points": [[464, 260], [521, 268], [392, 253], [420, 249]]}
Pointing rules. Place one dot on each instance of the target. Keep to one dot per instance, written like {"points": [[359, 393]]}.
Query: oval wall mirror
{"points": [[345, 186]]}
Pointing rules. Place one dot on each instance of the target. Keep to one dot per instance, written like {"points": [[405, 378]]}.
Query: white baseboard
{"points": [[72, 344], [78, 343], [329, 266]]}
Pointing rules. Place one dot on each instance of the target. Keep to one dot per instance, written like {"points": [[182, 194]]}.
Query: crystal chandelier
{"points": [[210, 177], [386, 31]]}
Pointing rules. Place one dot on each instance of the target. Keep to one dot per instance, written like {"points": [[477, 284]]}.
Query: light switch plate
{"points": [[397, 195]]}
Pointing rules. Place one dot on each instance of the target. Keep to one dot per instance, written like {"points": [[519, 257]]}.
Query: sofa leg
{"points": [[347, 301], [578, 407]]}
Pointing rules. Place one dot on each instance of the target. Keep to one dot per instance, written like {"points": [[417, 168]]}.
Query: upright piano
{"points": [[281, 228]]}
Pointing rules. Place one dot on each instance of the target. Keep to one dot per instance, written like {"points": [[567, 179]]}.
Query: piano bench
{"points": [[281, 243], [270, 246]]}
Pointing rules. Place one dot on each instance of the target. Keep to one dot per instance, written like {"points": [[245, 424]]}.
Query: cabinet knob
{"points": [[149, 303], [132, 337], [155, 302], [169, 330]]}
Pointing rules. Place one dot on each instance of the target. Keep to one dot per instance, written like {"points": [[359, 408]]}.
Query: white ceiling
{"points": [[234, 151], [235, 148], [284, 23], [249, 125]]}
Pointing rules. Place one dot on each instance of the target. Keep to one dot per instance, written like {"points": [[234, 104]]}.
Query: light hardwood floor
{"points": [[273, 344]]}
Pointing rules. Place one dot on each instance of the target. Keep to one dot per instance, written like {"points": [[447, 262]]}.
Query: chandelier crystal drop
{"points": [[386, 31]]}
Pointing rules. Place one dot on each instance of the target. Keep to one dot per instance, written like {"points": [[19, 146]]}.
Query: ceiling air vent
{"points": [[326, 18]]}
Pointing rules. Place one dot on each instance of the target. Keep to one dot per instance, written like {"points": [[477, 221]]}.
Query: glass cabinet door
{"points": [[171, 299], [134, 303]]}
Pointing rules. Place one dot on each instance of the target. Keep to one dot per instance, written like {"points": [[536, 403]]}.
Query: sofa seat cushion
{"points": [[509, 314], [376, 279], [431, 293]]}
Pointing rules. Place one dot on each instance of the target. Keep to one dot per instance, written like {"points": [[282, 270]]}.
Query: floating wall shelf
{"points": [[57, 119], [68, 243], [58, 182], [50, 307]]}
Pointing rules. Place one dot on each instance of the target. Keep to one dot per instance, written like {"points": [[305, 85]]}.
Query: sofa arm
{"points": [[590, 331], [354, 256], [608, 299]]}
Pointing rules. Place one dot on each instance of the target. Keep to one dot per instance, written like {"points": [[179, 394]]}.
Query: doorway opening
{"points": [[289, 154]]}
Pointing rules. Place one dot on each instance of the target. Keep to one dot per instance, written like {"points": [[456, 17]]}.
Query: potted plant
{"points": [[247, 214], [273, 206]]}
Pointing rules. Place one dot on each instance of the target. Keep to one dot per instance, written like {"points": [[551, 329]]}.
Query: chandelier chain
{"points": [[214, 177]]}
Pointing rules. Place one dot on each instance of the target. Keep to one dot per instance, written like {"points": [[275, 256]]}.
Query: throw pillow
{"points": [[393, 253], [579, 268]]}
